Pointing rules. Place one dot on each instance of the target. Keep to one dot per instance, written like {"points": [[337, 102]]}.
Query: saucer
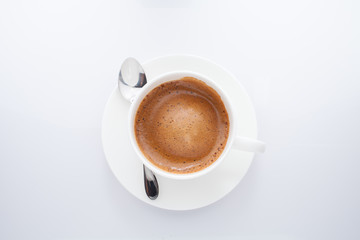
{"points": [[178, 194]]}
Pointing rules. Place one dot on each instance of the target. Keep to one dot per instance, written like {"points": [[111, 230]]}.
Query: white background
{"points": [[299, 61]]}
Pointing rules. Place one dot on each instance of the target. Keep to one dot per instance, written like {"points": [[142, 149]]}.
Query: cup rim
{"points": [[158, 81]]}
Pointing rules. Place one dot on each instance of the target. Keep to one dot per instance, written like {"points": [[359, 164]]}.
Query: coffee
{"points": [[182, 126]]}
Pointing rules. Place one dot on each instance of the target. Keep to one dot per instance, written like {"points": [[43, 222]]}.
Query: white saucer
{"points": [[175, 194]]}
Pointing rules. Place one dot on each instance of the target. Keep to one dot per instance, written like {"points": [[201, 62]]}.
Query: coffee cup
{"points": [[137, 95]]}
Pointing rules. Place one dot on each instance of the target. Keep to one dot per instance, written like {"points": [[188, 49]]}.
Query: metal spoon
{"points": [[132, 75]]}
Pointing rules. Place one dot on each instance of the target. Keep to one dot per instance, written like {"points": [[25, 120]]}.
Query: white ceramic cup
{"points": [[136, 95]]}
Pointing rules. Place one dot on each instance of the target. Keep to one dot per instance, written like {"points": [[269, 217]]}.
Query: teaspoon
{"points": [[133, 75]]}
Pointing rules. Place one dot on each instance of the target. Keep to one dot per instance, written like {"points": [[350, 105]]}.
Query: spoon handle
{"points": [[151, 184]]}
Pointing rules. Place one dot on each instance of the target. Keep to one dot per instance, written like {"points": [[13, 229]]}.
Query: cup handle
{"points": [[248, 144]]}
